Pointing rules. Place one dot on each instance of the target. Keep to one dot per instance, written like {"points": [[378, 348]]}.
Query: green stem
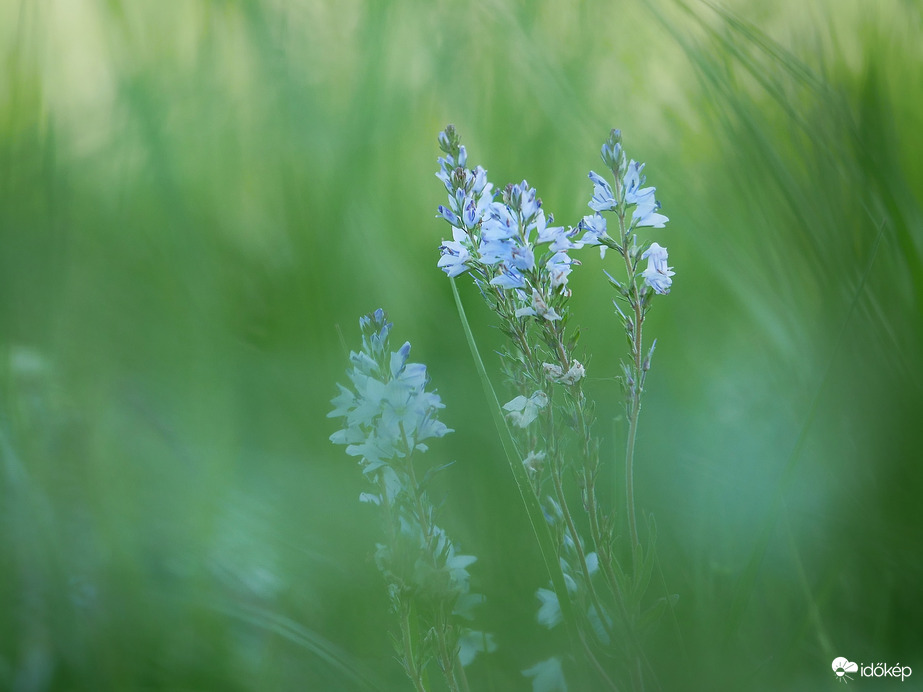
{"points": [[568, 519], [629, 472], [417, 493], [460, 669], [634, 387], [447, 661], [410, 664], [520, 475]]}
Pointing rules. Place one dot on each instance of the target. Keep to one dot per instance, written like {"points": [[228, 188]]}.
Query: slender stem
{"points": [[634, 387], [520, 475], [447, 662], [559, 489], [417, 495], [410, 664], [597, 665], [629, 480], [461, 674]]}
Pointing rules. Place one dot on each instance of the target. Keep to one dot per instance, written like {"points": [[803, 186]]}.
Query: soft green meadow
{"points": [[197, 202]]}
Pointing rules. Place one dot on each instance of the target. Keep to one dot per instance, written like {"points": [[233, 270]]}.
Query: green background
{"points": [[199, 199]]}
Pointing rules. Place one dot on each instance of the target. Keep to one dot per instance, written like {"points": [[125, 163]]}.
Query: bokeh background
{"points": [[199, 199]]}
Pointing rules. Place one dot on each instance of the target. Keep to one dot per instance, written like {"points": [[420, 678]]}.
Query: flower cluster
{"points": [[521, 263], [388, 411], [505, 240], [629, 196], [388, 414]]}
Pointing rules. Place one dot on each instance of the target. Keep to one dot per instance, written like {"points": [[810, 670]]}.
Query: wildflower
{"points": [[533, 461], [523, 258], [603, 199], [555, 373], [470, 206], [547, 676], [657, 275], [595, 230], [388, 414], [388, 411], [523, 411], [646, 206], [549, 614], [538, 308], [455, 256], [500, 223], [500, 239], [646, 215], [508, 278], [645, 212], [559, 267]]}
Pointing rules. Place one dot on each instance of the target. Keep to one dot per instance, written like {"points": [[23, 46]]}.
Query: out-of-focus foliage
{"points": [[195, 196]]}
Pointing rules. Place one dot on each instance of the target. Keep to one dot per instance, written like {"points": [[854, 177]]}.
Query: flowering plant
{"points": [[598, 566], [520, 263], [388, 415]]}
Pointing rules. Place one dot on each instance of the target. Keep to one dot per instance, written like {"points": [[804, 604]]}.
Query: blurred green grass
{"points": [[194, 201]]}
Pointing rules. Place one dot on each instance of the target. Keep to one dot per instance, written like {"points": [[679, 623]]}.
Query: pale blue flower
{"points": [[471, 214], [522, 411], [449, 215], [522, 258], [538, 308], [496, 251], [499, 223], [508, 278], [559, 268], [561, 239], [455, 256], [645, 211], [524, 199], [646, 215], [479, 184], [471, 643], [632, 181], [657, 275], [547, 676], [603, 199], [594, 228], [549, 613]]}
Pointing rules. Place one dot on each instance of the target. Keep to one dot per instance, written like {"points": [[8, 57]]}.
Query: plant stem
{"points": [[417, 493], [410, 664], [629, 463], [634, 387], [447, 662], [521, 476], [568, 519], [461, 675]]}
